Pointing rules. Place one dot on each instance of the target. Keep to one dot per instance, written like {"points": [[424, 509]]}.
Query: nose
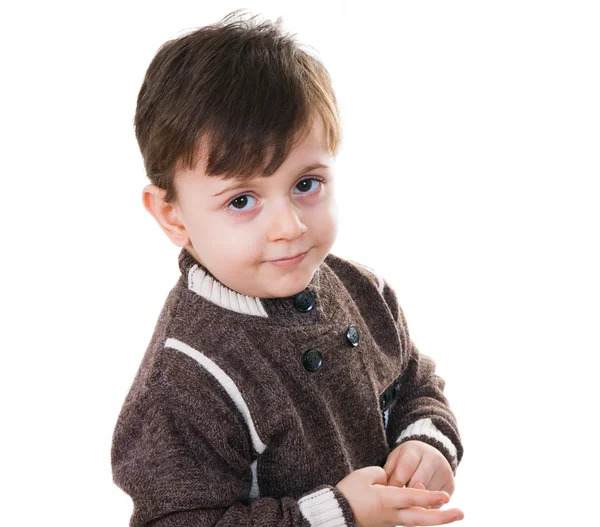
{"points": [[284, 223]]}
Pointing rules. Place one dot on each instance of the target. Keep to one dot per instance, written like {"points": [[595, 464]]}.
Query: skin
{"points": [[377, 503], [269, 218], [418, 465]]}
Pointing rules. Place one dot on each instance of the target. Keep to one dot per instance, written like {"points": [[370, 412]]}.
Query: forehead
{"points": [[309, 152]]}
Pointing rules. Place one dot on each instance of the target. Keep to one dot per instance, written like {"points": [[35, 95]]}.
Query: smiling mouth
{"points": [[291, 261], [289, 258]]}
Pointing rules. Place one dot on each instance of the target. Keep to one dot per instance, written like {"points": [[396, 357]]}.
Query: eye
{"points": [[240, 202], [308, 185]]}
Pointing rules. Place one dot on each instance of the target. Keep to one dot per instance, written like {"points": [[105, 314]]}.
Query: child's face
{"points": [[237, 233]]}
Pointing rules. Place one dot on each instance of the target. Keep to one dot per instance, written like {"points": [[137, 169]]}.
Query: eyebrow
{"points": [[248, 182]]}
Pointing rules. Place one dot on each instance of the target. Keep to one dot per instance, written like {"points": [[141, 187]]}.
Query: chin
{"points": [[288, 288], [297, 286]]}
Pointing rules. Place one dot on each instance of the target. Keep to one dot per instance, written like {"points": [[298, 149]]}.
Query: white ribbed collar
{"points": [[202, 283]]}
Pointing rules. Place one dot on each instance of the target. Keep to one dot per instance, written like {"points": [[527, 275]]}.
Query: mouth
{"points": [[290, 260]]}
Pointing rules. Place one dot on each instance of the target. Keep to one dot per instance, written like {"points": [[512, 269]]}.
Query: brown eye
{"points": [[308, 185], [240, 203]]}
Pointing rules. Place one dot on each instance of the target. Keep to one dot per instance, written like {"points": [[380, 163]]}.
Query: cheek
{"points": [[209, 236], [235, 242], [325, 224]]}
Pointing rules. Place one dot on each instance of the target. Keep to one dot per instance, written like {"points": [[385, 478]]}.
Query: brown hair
{"points": [[243, 90]]}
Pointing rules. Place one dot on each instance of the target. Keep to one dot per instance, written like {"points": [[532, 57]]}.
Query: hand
{"points": [[375, 504], [416, 462]]}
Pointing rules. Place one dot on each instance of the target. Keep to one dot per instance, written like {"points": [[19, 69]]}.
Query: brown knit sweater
{"points": [[248, 411]]}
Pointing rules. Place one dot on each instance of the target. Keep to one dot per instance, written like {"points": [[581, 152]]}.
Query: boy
{"points": [[280, 386]]}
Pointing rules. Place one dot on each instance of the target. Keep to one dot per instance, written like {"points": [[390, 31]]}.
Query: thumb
{"points": [[375, 475]]}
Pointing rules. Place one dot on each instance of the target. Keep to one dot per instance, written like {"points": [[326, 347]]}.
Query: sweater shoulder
{"points": [[176, 377], [157, 362], [349, 270], [367, 283]]}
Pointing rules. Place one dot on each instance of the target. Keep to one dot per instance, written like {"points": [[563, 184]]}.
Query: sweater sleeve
{"points": [[420, 411], [185, 458]]}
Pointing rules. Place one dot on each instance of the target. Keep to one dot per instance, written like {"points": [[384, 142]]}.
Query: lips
{"points": [[288, 257], [289, 262]]}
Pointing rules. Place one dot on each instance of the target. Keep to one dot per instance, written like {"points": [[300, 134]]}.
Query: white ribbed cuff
{"points": [[322, 509], [425, 427]]}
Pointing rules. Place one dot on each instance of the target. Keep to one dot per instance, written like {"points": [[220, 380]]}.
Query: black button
{"points": [[352, 335], [304, 301], [312, 360]]}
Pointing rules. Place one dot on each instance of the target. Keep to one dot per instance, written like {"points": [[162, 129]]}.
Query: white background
{"points": [[468, 177]]}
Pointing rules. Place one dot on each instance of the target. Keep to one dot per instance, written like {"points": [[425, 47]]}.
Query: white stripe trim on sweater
{"points": [[427, 428], [207, 287], [322, 509], [226, 381]]}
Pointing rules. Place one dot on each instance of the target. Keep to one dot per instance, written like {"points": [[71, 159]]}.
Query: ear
{"points": [[165, 214]]}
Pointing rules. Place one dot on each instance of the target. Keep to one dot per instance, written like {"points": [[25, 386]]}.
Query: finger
{"points": [[417, 516], [390, 462], [420, 480], [449, 486], [404, 498], [437, 481], [406, 464], [420, 485], [445, 486], [424, 473], [442, 480]]}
